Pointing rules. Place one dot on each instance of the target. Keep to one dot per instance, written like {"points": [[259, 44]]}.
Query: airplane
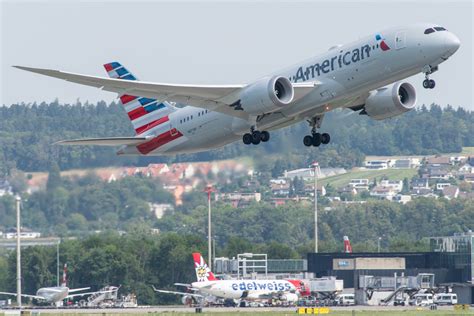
{"points": [[207, 284], [365, 76], [347, 245], [55, 294]]}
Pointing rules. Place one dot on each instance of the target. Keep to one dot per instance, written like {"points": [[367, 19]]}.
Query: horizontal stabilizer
{"points": [[110, 141]]}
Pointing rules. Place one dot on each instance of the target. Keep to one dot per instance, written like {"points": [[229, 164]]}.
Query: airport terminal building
{"points": [[450, 262]]}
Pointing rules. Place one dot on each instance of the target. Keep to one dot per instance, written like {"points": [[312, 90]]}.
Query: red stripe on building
{"points": [[152, 124], [159, 141], [127, 98], [138, 112], [108, 67]]}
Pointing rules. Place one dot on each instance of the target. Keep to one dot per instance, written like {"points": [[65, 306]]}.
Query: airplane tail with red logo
{"points": [[203, 272], [347, 245], [146, 114]]}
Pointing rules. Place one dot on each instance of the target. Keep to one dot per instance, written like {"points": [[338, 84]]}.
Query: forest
{"points": [[28, 132]]}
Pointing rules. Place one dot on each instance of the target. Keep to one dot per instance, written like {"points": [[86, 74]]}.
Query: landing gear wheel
{"points": [[426, 84], [316, 139], [432, 83], [325, 138], [308, 141], [256, 137], [264, 136], [247, 138]]}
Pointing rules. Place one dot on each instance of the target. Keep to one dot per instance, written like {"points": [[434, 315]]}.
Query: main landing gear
{"points": [[429, 83], [256, 137], [316, 139]]}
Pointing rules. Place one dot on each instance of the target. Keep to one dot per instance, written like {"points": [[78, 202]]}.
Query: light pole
{"points": [[209, 190], [18, 252], [378, 244], [316, 169]]}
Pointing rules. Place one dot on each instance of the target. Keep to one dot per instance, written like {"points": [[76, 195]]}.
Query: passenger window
{"points": [[429, 31], [439, 28]]}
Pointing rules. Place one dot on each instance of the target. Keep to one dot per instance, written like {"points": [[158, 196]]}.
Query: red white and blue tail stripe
{"points": [[145, 114]]}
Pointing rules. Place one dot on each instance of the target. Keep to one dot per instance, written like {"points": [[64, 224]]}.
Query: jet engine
{"points": [[390, 101], [265, 95], [289, 297]]}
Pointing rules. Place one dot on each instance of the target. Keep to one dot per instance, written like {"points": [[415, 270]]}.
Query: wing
{"points": [[79, 289], [176, 293], [23, 295], [89, 293], [212, 97], [111, 141]]}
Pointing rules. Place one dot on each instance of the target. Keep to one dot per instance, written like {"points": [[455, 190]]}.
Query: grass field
{"points": [[343, 179]]}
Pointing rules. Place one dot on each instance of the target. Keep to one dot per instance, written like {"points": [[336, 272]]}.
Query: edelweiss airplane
{"points": [[285, 290], [363, 76], [55, 294]]}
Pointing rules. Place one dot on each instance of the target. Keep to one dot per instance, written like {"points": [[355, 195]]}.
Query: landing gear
{"points": [[255, 137], [316, 139], [429, 83]]}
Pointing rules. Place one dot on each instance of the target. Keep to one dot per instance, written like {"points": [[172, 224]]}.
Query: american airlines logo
{"points": [[270, 286], [339, 61]]}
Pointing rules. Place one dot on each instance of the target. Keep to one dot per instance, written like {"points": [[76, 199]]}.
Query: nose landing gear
{"points": [[429, 83]]}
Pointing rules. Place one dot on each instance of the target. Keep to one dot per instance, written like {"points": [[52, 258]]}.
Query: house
{"points": [[401, 198], [379, 164], [469, 178], [309, 190], [451, 192], [25, 233], [439, 161], [281, 188], [423, 193], [304, 173], [395, 185], [383, 192], [238, 199], [420, 183], [159, 209], [407, 163], [466, 168], [359, 184], [441, 185], [439, 173], [5, 188], [457, 159]]}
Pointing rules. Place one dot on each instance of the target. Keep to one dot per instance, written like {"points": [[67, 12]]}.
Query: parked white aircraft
{"points": [[55, 294], [208, 284], [363, 76]]}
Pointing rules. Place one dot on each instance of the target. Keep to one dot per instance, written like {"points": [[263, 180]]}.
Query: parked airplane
{"points": [[55, 294], [363, 76], [208, 284]]}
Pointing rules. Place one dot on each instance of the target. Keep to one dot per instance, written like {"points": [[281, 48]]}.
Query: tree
{"points": [[54, 177]]}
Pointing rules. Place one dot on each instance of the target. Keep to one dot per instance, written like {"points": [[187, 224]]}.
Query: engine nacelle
{"points": [[289, 297], [390, 101], [266, 95]]}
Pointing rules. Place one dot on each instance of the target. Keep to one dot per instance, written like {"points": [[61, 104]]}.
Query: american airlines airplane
{"points": [[284, 290], [365, 75], [56, 294]]}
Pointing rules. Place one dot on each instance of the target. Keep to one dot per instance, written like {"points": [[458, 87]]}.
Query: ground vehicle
{"points": [[345, 299], [422, 299], [446, 299]]}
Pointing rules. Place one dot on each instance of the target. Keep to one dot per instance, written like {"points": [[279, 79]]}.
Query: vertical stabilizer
{"points": [[203, 272]]}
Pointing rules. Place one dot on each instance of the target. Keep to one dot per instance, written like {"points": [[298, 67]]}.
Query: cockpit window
{"points": [[428, 31], [439, 28]]}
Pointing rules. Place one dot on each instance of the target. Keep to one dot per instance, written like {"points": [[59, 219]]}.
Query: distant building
{"points": [[401, 198], [304, 173], [379, 164], [395, 185], [407, 163], [25, 233], [441, 185], [420, 183], [457, 159], [438, 161], [359, 184], [281, 188], [383, 192], [469, 178], [239, 199], [466, 169], [159, 209], [451, 192], [440, 173], [423, 193]]}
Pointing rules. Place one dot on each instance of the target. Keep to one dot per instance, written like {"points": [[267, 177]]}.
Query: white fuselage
{"points": [[53, 294], [247, 289], [346, 74]]}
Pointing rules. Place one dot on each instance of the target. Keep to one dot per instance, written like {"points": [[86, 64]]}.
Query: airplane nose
{"points": [[452, 43]]}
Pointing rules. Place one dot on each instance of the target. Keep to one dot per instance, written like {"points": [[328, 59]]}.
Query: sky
{"points": [[207, 41]]}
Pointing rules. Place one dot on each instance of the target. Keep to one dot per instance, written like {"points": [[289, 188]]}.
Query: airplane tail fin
{"points": [[145, 114], [203, 272], [347, 245], [64, 281]]}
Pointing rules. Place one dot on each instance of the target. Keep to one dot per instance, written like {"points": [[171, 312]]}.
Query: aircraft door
{"points": [[400, 40]]}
